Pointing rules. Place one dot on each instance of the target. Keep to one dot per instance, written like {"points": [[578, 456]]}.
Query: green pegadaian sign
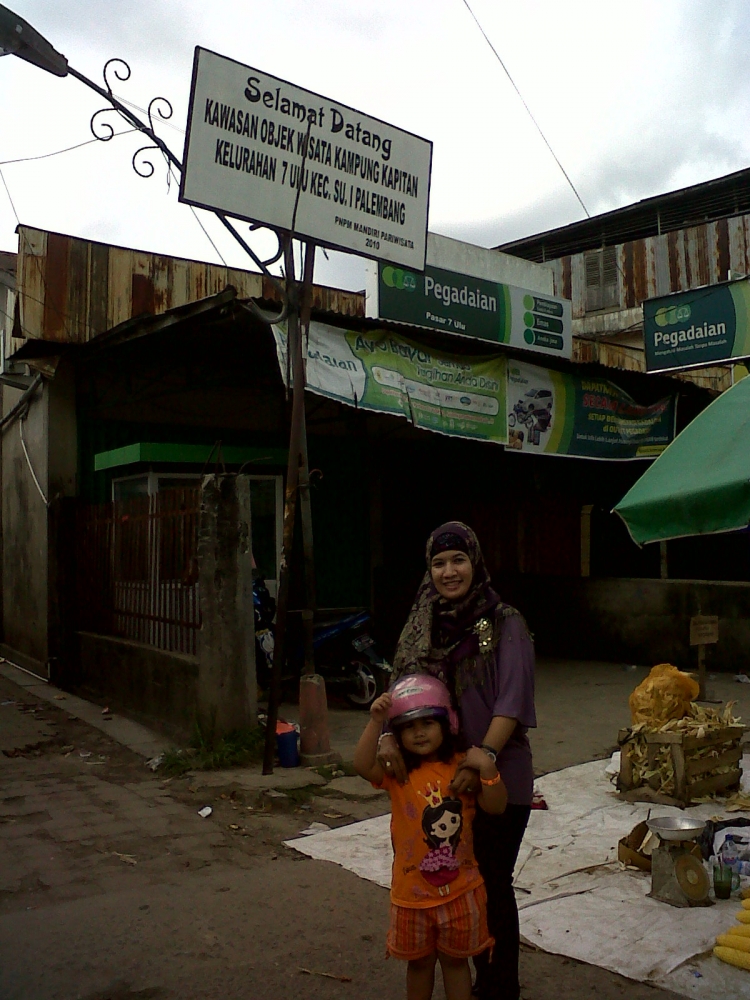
{"points": [[461, 304], [697, 329]]}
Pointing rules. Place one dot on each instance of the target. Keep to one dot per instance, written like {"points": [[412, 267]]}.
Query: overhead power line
{"points": [[56, 152], [528, 110]]}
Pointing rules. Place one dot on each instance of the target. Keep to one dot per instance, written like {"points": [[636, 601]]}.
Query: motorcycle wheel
{"points": [[364, 685], [511, 419]]}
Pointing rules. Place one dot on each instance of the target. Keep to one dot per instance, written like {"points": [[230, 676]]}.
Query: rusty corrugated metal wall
{"points": [[659, 265], [71, 290]]}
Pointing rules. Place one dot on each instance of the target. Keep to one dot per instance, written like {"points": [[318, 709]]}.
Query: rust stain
{"points": [[689, 269], [55, 274], [77, 302], [163, 282], [141, 295], [566, 278], [722, 249], [98, 289], [640, 271], [699, 237], [674, 267], [627, 267]]}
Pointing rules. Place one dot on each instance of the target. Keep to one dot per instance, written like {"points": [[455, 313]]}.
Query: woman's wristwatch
{"points": [[490, 751]]}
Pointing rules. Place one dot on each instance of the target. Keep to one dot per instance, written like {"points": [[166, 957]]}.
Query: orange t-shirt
{"points": [[433, 853]]}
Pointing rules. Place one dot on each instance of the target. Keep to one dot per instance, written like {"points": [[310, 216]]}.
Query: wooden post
{"points": [[704, 630], [701, 672], [663, 561]]}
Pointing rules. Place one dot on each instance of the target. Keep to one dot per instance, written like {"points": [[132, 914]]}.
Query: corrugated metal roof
{"points": [[72, 289], [720, 198]]}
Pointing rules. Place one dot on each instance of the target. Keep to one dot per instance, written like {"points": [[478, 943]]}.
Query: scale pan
{"points": [[677, 827]]}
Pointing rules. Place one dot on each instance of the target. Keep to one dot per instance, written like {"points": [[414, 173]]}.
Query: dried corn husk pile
{"points": [[699, 721]]}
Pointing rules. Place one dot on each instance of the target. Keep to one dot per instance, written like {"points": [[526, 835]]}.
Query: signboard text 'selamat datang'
{"points": [[255, 143]]}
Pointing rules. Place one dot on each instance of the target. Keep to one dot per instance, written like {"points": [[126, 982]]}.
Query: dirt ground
{"points": [[112, 886]]}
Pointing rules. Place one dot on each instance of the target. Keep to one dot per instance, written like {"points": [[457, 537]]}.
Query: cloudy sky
{"points": [[635, 100]]}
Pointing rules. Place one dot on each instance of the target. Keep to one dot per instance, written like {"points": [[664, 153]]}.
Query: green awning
{"points": [[195, 454], [700, 484]]}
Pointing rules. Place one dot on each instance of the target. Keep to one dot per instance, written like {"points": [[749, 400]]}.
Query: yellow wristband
{"points": [[491, 781]]}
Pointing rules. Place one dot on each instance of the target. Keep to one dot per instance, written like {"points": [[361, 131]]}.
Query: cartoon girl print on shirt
{"points": [[442, 823]]}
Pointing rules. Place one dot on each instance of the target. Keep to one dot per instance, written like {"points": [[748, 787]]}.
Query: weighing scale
{"points": [[677, 873]]}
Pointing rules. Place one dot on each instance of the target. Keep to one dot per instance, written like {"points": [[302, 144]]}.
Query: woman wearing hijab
{"points": [[461, 632]]}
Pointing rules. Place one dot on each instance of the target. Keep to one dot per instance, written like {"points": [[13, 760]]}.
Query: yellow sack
{"points": [[665, 694], [739, 930], [743, 916]]}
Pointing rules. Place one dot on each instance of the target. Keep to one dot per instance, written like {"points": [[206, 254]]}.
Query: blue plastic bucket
{"points": [[286, 746]]}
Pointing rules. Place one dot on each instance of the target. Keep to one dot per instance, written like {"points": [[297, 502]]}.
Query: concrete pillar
{"points": [[227, 692]]}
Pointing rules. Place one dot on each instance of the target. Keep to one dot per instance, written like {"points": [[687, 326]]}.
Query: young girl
{"points": [[439, 904]]}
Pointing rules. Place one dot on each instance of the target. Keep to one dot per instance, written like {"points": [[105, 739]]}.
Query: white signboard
{"points": [[364, 187]]}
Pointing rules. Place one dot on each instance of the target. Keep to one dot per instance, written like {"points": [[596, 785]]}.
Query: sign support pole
{"points": [[313, 707]]}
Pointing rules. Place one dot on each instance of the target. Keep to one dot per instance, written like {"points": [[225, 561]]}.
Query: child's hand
{"points": [[478, 760], [379, 708]]}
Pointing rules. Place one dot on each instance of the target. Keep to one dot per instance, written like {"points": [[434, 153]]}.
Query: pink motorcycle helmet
{"points": [[420, 696]]}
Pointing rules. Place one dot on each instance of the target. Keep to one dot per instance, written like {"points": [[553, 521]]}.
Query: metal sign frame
{"points": [[363, 231], [713, 320]]}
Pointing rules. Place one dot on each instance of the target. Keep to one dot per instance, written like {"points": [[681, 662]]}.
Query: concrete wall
{"points": [[24, 525], [634, 621], [29, 550], [157, 687]]}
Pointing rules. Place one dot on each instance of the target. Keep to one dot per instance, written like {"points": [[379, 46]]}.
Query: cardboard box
{"points": [[627, 848]]}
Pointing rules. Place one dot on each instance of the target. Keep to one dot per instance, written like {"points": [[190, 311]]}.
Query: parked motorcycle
{"points": [[345, 652]]}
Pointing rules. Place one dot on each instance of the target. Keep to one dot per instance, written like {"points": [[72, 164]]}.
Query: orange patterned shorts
{"points": [[458, 928]]}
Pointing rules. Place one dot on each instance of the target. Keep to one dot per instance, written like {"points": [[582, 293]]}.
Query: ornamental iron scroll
{"points": [[160, 108]]}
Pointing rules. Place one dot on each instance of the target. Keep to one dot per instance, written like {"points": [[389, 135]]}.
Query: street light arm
{"points": [[17, 37]]}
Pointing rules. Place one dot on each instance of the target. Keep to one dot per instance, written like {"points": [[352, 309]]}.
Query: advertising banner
{"points": [[486, 398], [387, 373], [704, 327], [553, 413], [474, 307], [364, 186]]}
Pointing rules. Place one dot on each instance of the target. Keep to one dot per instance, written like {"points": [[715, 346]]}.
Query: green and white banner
{"points": [[384, 372], [485, 398], [553, 413], [704, 327]]}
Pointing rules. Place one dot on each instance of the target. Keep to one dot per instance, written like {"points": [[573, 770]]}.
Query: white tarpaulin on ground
{"points": [[602, 915]]}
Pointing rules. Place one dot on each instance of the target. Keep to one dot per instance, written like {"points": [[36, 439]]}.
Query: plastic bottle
{"points": [[728, 853], [742, 868]]}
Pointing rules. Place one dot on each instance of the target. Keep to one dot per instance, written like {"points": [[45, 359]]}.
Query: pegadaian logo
{"points": [[394, 277], [669, 315]]}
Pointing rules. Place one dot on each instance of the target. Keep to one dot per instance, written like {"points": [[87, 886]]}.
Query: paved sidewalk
{"points": [[129, 734]]}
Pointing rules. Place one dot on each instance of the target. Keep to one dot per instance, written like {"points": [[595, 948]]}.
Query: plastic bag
{"points": [[665, 694]]}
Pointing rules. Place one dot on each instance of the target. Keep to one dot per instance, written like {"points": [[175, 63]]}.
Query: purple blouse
{"points": [[507, 691]]}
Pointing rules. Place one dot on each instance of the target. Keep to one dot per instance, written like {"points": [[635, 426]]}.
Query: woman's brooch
{"points": [[483, 630]]}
